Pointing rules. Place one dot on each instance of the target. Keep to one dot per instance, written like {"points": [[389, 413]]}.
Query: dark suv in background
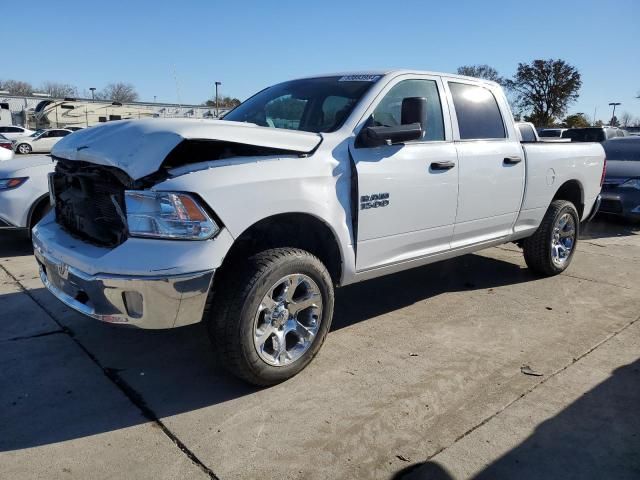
{"points": [[621, 188], [593, 134]]}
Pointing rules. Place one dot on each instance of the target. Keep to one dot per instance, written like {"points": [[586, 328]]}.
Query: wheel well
{"points": [[571, 191], [298, 230], [37, 206]]}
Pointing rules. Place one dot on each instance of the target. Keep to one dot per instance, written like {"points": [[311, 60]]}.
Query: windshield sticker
{"points": [[359, 78]]}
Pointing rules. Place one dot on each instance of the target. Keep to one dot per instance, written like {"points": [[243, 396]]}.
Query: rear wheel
{"points": [[550, 249], [270, 318], [24, 148]]}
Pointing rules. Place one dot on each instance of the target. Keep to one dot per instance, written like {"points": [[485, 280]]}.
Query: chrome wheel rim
{"points": [[563, 239], [287, 320], [24, 149]]}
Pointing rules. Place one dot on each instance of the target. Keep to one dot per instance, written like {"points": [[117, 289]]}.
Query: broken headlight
{"points": [[170, 215]]}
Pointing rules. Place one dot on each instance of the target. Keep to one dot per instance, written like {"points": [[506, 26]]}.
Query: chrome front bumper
{"points": [[141, 301]]}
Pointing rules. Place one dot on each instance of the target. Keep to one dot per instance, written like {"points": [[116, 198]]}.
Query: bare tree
{"points": [[625, 119], [59, 90], [545, 89], [118, 92], [16, 87], [481, 71]]}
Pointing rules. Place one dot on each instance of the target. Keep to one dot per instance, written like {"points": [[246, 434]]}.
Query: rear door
{"points": [[407, 203], [491, 163]]}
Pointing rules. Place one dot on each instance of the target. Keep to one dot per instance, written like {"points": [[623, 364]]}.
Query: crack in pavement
{"points": [[134, 397], [532, 388], [37, 335]]}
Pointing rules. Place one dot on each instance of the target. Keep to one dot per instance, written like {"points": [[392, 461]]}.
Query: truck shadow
{"points": [[596, 436], [168, 372]]}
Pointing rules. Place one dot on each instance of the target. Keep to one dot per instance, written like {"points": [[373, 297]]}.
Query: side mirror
{"points": [[413, 121], [377, 136], [414, 110]]}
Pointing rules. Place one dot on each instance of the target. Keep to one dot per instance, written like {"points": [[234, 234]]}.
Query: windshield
{"points": [[623, 149], [37, 132], [311, 105]]}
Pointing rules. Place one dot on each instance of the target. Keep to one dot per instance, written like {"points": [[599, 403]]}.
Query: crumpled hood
{"points": [[138, 147]]}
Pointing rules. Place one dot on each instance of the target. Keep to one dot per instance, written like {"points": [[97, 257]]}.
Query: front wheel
{"points": [[270, 318], [24, 148], [550, 249]]}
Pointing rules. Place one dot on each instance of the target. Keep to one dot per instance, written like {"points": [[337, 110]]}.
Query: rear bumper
{"points": [[145, 302]]}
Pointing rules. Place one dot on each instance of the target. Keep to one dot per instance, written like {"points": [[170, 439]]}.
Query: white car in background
{"points": [[6, 149], [24, 191], [41, 141], [13, 131]]}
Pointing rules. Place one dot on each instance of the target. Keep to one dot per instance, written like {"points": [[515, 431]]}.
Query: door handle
{"points": [[442, 165], [512, 160]]}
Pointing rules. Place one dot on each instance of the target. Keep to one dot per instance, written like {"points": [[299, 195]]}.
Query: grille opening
{"points": [[89, 200]]}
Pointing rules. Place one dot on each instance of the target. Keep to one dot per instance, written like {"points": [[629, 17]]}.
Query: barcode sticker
{"points": [[359, 78]]}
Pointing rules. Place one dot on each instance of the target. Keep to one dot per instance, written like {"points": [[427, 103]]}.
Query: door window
{"points": [[388, 111], [477, 112], [526, 132]]}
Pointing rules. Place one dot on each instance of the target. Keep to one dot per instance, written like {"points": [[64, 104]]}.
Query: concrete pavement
{"points": [[420, 369]]}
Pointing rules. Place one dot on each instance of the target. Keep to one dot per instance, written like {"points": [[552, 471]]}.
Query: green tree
{"points": [[481, 71], [223, 102], [577, 120], [545, 89]]}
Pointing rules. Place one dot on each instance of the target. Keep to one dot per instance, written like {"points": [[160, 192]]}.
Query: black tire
{"points": [[26, 146], [235, 304], [538, 247]]}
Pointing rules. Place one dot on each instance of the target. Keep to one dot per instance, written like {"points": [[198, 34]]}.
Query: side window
{"points": [[477, 111], [14, 130], [388, 111], [4, 129], [526, 133], [285, 112], [63, 133]]}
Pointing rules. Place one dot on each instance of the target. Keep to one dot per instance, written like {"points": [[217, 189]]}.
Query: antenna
{"points": [[175, 78]]}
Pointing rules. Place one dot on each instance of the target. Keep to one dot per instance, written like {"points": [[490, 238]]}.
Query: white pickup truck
{"points": [[249, 223]]}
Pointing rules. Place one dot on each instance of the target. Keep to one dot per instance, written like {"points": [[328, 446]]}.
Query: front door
{"points": [[407, 193]]}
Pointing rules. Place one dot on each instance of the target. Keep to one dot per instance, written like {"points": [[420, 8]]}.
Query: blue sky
{"points": [[248, 45]]}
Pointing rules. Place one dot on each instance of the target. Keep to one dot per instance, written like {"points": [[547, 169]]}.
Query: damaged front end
{"points": [[89, 201]]}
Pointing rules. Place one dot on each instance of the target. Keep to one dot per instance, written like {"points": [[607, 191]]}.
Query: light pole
{"points": [[93, 93], [613, 115], [217, 109]]}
